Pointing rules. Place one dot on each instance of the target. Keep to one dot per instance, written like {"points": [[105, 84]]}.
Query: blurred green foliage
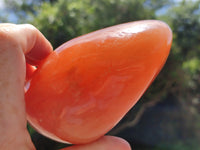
{"points": [[67, 19], [62, 20]]}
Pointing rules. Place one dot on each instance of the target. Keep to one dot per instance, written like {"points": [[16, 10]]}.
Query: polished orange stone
{"points": [[83, 88]]}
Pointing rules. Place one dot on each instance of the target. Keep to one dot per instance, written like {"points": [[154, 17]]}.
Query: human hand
{"points": [[20, 44]]}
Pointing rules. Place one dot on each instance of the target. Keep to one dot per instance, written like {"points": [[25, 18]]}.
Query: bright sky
{"points": [[1, 4]]}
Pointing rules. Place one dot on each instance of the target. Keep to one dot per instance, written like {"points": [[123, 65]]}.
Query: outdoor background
{"points": [[167, 117]]}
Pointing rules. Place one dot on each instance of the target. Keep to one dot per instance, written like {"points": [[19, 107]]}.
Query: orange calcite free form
{"points": [[83, 88]]}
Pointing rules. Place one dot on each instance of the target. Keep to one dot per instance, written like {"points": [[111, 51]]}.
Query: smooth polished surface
{"points": [[87, 85]]}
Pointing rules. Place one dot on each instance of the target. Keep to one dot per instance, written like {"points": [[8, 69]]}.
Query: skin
{"points": [[20, 44]]}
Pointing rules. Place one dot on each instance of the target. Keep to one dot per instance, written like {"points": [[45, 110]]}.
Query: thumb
{"points": [[15, 42]]}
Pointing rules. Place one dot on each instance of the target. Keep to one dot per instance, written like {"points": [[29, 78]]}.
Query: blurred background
{"points": [[168, 115]]}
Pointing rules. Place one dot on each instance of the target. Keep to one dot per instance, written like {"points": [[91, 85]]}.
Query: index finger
{"points": [[37, 46], [34, 45]]}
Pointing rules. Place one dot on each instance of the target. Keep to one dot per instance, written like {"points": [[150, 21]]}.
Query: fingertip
{"points": [[104, 143], [117, 141], [41, 49], [36, 47]]}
